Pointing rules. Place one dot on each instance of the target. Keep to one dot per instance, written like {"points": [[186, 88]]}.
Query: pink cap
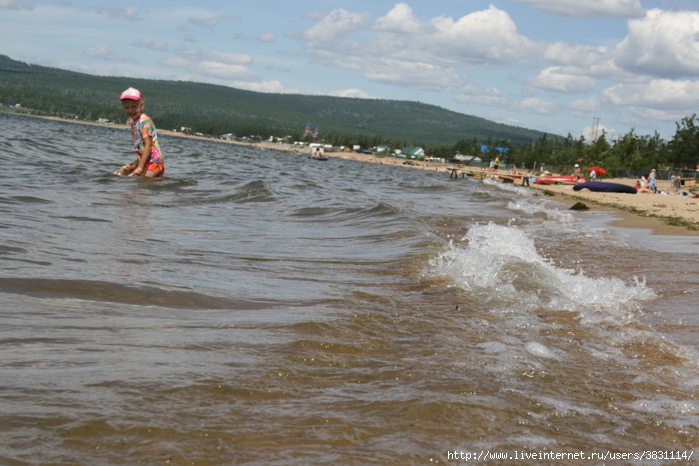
{"points": [[131, 94]]}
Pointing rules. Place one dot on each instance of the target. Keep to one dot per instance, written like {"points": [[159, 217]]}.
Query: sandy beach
{"points": [[664, 214]]}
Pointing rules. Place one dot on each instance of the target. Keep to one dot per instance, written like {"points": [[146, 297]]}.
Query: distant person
{"points": [[525, 180], [677, 183], [578, 173], [496, 163], [651, 181], [149, 162], [317, 154], [642, 185], [593, 175]]}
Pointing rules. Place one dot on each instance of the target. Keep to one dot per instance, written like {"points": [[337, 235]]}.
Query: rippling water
{"points": [[256, 307]]}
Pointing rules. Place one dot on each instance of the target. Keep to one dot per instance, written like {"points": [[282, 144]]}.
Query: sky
{"points": [[548, 65]]}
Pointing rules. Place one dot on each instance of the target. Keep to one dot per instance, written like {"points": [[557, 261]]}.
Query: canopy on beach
{"points": [[598, 170]]}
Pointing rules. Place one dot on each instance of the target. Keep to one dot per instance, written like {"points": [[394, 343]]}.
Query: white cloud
{"points": [[205, 22], [662, 44], [590, 8], [609, 133], [177, 62], [488, 37], [556, 79], [230, 58], [400, 19], [130, 13], [584, 107], [471, 94], [562, 53], [643, 114], [223, 70], [103, 52], [425, 58], [158, 45], [210, 21], [537, 106], [412, 74], [331, 26], [16, 4], [354, 93], [577, 67], [265, 86], [267, 37], [659, 94]]}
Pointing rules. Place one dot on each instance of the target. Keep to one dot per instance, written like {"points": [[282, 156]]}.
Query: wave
{"points": [[133, 295], [502, 263]]}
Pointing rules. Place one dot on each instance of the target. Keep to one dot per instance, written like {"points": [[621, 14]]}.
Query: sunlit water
{"points": [[257, 307]]}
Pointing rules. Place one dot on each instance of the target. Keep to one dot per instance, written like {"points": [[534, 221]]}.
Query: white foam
{"points": [[537, 349], [504, 262], [527, 206], [664, 405]]}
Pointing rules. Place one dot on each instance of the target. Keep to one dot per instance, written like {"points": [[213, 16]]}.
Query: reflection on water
{"points": [[256, 308]]}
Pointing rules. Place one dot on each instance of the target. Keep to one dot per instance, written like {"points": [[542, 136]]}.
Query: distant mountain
{"points": [[213, 109]]}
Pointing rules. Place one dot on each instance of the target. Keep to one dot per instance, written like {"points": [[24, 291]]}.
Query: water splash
{"points": [[504, 262]]}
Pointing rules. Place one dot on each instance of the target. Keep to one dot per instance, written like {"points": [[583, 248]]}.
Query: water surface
{"points": [[255, 307]]}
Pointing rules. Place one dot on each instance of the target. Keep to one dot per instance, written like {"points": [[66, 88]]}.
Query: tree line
{"points": [[216, 110], [629, 152]]}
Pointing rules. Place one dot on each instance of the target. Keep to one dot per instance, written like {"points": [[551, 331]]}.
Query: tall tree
{"points": [[684, 147]]}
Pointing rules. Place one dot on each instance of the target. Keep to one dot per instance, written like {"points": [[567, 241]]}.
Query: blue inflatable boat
{"points": [[605, 187]]}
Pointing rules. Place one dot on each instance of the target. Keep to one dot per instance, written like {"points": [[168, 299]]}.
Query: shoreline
{"points": [[662, 214]]}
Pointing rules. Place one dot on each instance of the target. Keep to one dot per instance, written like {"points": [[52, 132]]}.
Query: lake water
{"points": [[258, 307]]}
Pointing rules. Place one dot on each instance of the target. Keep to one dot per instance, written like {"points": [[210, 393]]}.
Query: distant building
{"points": [[413, 152], [467, 158], [485, 149]]}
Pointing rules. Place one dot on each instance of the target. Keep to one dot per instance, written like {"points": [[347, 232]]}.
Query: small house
{"points": [[413, 152]]}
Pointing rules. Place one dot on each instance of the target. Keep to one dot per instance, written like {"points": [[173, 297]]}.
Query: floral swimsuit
{"points": [[141, 130]]}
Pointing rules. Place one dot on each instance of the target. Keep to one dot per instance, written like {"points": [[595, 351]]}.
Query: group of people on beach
{"points": [[647, 185]]}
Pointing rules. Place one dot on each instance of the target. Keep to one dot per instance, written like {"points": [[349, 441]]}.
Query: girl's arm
{"points": [[145, 157]]}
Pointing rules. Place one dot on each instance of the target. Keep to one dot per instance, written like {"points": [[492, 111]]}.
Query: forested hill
{"points": [[216, 110]]}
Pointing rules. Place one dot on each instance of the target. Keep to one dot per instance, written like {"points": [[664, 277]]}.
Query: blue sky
{"points": [[550, 65]]}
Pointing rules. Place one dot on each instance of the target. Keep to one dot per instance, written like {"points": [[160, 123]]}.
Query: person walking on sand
{"points": [[651, 181], [149, 161], [578, 173]]}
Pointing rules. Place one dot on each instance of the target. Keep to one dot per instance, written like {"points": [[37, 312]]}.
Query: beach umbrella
{"points": [[598, 170]]}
